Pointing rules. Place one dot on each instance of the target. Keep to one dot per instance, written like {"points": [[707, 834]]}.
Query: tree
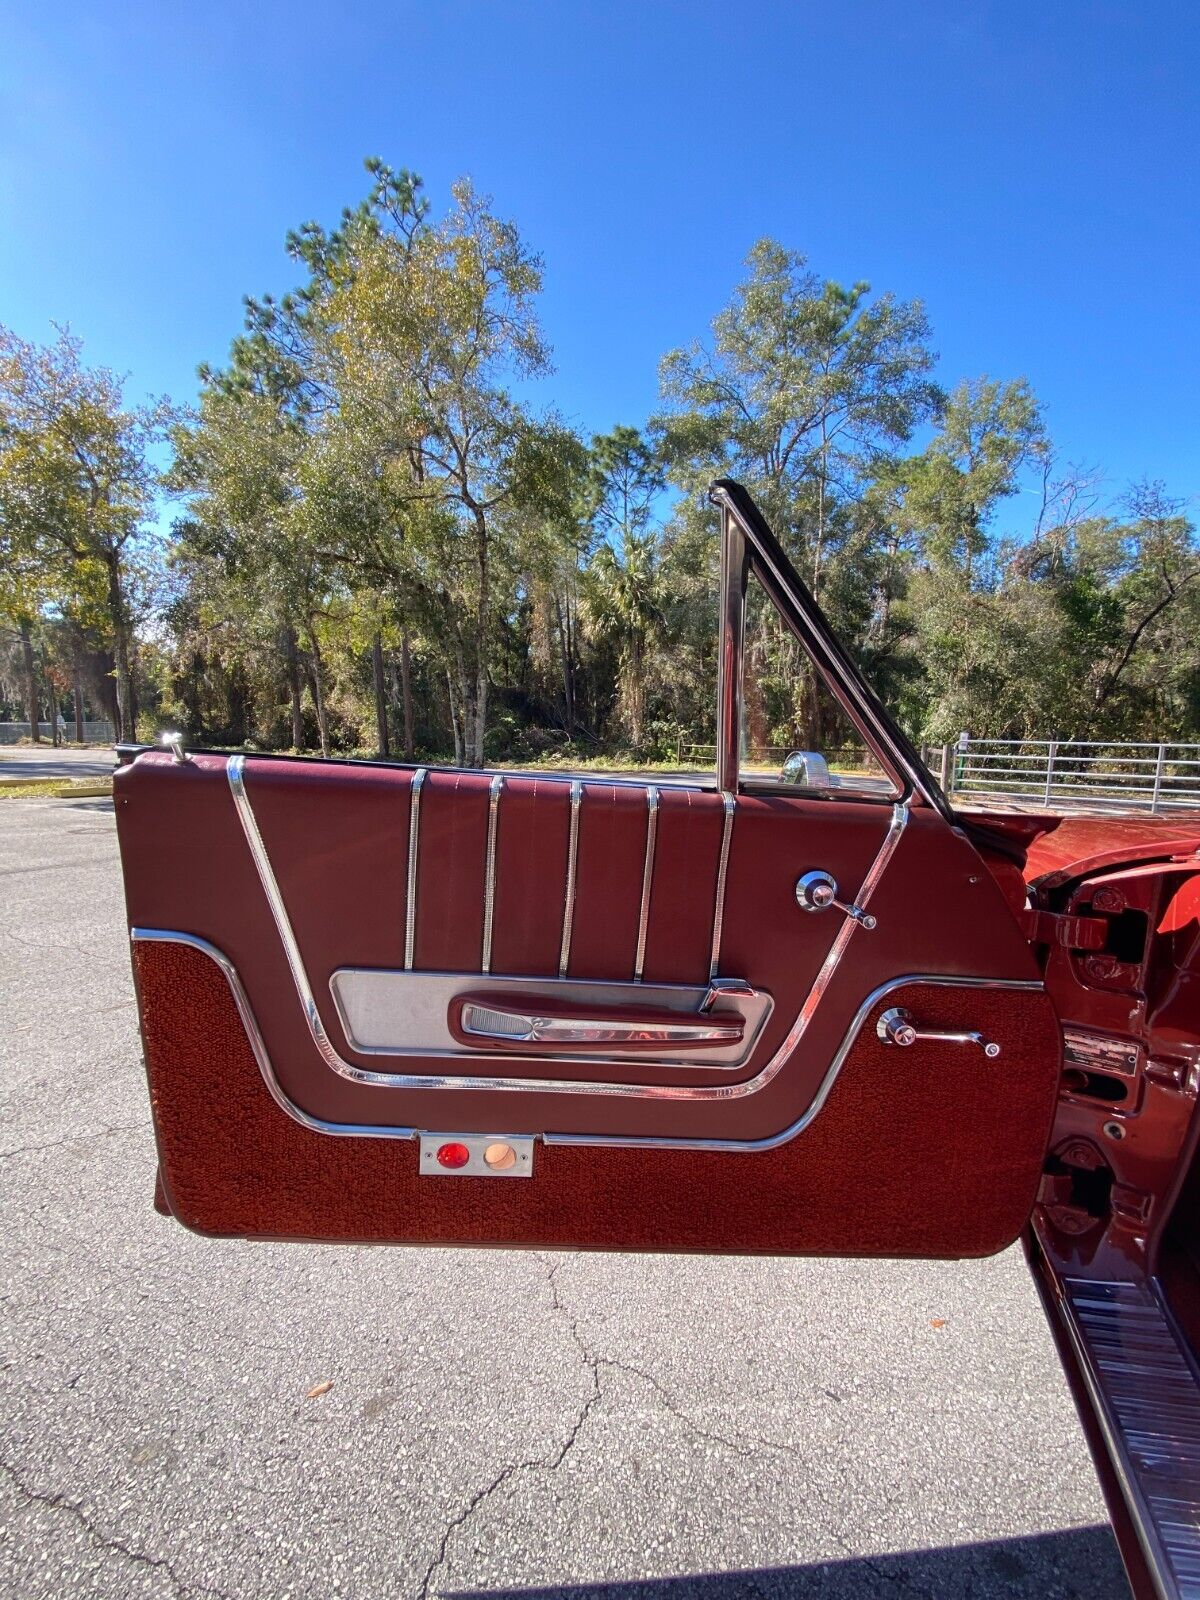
{"points": [[77, 484], [805, 386], [806, 392], [624, 588]]}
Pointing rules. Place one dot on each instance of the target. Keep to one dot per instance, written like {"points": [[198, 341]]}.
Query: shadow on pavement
{"points": [[1076, 1562]]}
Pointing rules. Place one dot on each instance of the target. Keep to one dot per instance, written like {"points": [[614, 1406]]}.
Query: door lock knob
{"points": [[818, 890]]}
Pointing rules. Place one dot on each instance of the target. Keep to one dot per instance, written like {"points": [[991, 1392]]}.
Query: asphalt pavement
{"points": [[498, 1423], [33, 761]]}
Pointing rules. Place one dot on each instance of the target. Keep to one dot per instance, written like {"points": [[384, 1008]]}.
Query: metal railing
{"points": [[94, 732], [1076, 772]]}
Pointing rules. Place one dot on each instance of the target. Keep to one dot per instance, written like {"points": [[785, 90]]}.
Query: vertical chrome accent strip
{"points": [[564, 954], [414, 840], [639, 960], [719, 905], [489, 882]]}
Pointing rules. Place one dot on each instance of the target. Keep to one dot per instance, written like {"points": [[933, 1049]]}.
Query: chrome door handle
{"points": [[818, 890], [896, 1026]]}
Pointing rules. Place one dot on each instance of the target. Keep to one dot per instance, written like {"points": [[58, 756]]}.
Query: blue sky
{"points": [[1030, 171]]}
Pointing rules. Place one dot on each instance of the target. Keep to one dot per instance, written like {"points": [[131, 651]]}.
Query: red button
{"points": [[453, 1155]]}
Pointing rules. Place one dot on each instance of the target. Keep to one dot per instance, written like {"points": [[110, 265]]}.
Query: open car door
{"points": [[433, 1006]]}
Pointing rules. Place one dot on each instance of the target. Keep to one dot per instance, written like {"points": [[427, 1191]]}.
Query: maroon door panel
{"points": [[336, 838]]}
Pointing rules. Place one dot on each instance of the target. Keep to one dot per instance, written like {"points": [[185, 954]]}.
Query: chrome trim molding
{"points": [[564, 955], [639, 960], [730, 803], [772, 1141], [414, 841], [236, 774], [383, 1131], [503, 1023], [350, 1130], [489, 882]]}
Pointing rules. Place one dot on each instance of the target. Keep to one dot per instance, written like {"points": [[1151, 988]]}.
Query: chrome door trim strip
{"points": [[639, 960], [729, 801], [489, 881], [503, 1023], [349, 1130], [785, 1135], [649, 1091], [602, 1141], [414, 841], [564, 954]]}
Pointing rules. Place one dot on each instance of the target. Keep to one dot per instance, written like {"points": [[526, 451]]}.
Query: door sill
{"points": [[1134, 1373]]}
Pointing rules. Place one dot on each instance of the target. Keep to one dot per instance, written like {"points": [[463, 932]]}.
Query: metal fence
{"points": [[1050, 774], [97, 732], [1075, 772]]}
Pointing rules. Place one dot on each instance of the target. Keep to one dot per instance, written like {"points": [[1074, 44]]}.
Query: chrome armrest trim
{"points": [[497, 1022], [391, 1014], [603, 1141]]}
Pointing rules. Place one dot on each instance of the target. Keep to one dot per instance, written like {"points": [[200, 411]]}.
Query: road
{"points": [[639, 1427], [30, 761]]}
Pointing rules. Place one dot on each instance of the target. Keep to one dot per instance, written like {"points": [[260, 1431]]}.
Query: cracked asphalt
{"points": [[616, 1427]]}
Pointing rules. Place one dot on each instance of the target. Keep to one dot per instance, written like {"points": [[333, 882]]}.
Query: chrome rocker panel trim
{"points": [[383, 1131]]}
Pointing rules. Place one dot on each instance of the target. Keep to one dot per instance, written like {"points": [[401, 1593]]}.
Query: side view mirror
{"points": [[807, 769]]}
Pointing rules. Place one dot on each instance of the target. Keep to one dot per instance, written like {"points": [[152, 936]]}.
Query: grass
{"points": [[56, 789]]}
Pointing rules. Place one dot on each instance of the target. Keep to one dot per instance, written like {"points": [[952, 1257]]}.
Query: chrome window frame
{"points": [[747, 545]]}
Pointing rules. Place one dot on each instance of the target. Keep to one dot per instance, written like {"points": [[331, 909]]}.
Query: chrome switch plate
{"points": [[488, 1155]]}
